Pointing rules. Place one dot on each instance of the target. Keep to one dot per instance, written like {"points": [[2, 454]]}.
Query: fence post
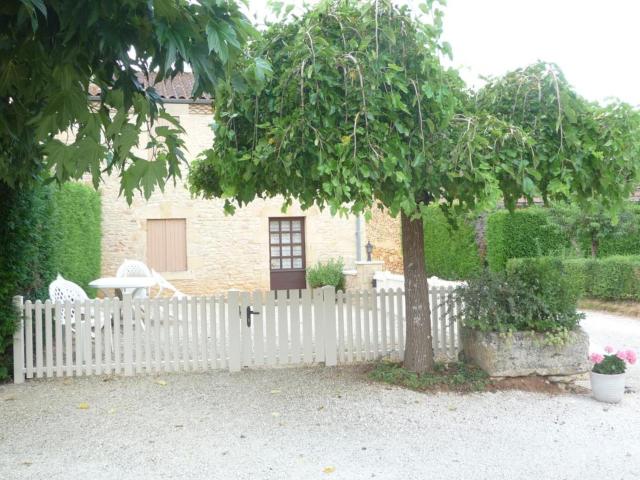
{"points": [[18, 342], [329, 321], [127, 317], [235, 347]]}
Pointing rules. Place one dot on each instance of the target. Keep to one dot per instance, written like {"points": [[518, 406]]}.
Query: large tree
{"points": [[52, 50], [360, 112]]}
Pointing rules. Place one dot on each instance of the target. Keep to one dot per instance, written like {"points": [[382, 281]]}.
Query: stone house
{"points": [[193, 244]]}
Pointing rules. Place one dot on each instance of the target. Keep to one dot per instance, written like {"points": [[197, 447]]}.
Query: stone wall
{"points": [[384, 233], [223, 252]]}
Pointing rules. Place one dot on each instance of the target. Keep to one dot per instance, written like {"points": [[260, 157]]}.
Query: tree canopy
{"points": [[52, 50], [360, 110]]}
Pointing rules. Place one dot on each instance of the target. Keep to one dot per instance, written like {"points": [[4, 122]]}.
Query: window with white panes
{"points": [[286, 243]]}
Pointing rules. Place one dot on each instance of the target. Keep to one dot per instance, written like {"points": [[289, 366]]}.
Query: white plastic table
{"points": [[123, 284]]}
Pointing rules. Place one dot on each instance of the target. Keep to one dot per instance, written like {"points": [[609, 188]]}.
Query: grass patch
{"points": [[449, 377], [628, 308]]}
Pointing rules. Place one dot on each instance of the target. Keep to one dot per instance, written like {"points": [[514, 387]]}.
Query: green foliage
{"points": [[450, 249], [359, 110], [459, 377], [46, 230], [327, 274], [610, 365], [576, 274], [76, 225], [582, 152], [613, 278], [522, 233], [610, 278], [546, 278], [26, 258], [533, 296], [50, 52], [596, 233]]}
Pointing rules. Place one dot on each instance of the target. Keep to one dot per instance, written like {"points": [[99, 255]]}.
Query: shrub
{"points": [[44, 230], [327, 274], [575, 270], [450, 250], [520, 234], [26, 259], [546, 276], [613, 278], [77, 229], [532, 297]]}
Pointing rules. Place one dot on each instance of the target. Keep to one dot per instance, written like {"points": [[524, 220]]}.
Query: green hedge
{"points": [[77, 229], [450, 252], [611, 278], [520, 234], [26, 257], [549, 278], [44, 230]]}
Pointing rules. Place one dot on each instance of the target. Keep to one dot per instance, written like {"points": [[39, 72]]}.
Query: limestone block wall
{"points": [[385, 235], [223, 252]]}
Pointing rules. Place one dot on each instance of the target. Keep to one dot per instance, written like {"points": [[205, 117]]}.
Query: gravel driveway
{"points": [[314, 423]]}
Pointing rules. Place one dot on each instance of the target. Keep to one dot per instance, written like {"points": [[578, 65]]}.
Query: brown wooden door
{"points": [[287, 253]]}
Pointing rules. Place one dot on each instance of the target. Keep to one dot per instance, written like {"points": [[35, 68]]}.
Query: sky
{"points": [[595, 42]]}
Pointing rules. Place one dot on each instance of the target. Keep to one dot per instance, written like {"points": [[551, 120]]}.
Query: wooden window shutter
{"points": [[167, 244]]}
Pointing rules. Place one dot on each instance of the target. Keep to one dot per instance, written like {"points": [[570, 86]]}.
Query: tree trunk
{"points": [[418, 354], [594, 246]]}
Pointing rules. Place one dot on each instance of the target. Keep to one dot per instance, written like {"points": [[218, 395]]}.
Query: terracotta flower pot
{"points": [[607, 388]]}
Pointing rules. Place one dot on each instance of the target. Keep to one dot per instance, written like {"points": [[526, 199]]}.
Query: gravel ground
{"points": [[314, 423]]}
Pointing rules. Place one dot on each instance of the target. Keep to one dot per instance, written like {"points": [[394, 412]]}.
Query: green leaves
{"points": [[111, 47], [333, 113]]}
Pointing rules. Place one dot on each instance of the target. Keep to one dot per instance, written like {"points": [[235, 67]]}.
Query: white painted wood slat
{"points": [[28, 328], [271, 322], [307, 326], [283, 328], [257, 326]]}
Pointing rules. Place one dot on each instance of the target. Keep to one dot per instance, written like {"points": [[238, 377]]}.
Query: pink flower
{"points": [[596, 357], [608, 349], [622, 355], [631, 356]]}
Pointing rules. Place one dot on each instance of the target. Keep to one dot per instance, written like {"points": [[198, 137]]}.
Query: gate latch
{"points": [[249, 313]]}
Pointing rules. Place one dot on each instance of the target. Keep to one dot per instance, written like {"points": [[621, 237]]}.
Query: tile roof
{"points": [[179, 88]]}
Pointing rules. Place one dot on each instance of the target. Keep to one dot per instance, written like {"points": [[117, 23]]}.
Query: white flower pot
{"points": [[607, 388]]}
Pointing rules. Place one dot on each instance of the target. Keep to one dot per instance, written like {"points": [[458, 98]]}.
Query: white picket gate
{"points": [[235, 330]]}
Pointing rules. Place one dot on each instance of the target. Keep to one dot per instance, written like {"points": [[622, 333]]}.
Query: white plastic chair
{"points": [[164, 284], [62, 290], [134, 268]]}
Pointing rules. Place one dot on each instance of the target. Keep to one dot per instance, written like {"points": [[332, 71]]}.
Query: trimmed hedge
{"points": [[26, 257], [520, 234], [450, 252], [611, 278], [77, 228], [44, 230]]}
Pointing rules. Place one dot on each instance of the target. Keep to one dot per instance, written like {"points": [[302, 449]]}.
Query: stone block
{"points": [[526, 353]]}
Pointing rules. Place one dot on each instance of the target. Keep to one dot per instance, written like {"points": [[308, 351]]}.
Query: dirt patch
{"points": [[526, 384], [629, 309], [463, 378]]}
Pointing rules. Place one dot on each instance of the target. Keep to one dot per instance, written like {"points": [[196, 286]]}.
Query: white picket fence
{"points": [[112, 336]]}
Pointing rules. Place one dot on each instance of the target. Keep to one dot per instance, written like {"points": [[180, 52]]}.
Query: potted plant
{"points": [[607, 374], [522, 322]]}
